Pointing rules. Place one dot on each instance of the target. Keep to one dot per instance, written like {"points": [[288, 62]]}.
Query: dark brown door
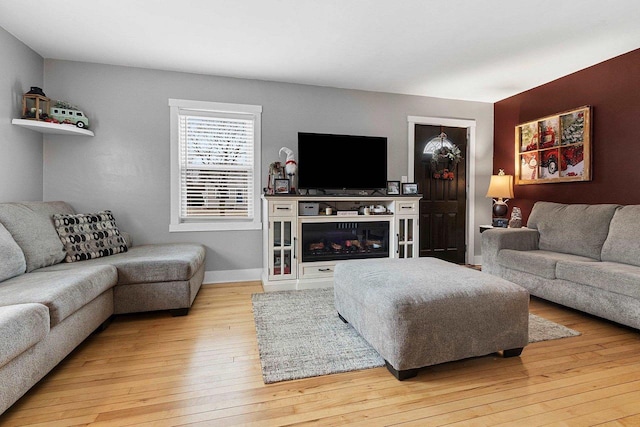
{"points": [[444, 202]]}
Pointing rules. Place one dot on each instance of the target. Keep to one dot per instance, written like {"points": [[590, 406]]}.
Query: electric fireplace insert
{"points": [[332, 241]]}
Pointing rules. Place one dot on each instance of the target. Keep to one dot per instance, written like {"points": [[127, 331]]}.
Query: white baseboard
{"points": [[225, 276], [255, 274]]}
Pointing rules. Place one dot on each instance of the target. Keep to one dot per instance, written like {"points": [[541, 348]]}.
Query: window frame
{"points": [[216, 224]]}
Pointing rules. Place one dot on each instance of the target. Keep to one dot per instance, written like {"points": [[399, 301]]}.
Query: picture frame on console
{"points": [[393, 187], [282, 186], [409, 188]]}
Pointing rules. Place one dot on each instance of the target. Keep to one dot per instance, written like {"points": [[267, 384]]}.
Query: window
{"points": [[435, 143], [215, 166]]}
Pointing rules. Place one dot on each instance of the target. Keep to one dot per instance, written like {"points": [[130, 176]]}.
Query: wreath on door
{"points": [[443, 160]]}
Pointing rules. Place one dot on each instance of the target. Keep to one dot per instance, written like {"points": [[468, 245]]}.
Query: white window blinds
{"points": [[217, 165]]}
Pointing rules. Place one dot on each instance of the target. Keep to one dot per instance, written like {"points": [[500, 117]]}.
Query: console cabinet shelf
{"points": [[303, 241]]}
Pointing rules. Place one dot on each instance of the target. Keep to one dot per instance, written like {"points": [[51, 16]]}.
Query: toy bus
{"points": [[68, 116]]}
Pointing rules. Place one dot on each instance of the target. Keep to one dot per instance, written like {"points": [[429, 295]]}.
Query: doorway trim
{"points": [[470, 124]]}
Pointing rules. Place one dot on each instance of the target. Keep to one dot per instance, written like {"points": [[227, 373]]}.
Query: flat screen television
{"points": [[341, 162]]}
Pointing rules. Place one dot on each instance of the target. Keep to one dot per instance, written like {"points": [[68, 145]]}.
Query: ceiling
{"points": [[459, 49]]}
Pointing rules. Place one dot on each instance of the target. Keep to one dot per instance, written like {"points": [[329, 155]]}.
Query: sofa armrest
{"points": [[494, 240], [21, 327]]}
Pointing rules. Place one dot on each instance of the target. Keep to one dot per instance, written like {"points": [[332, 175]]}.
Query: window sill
{"points": [[214, 226]]}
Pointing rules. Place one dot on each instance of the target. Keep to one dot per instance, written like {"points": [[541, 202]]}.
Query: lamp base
{"points": [[500, 209]]}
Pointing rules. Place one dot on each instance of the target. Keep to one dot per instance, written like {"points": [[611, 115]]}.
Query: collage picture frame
{"points": [[554, 148]]}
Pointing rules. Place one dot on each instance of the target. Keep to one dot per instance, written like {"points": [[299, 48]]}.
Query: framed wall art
{"points": [[555, 148]]}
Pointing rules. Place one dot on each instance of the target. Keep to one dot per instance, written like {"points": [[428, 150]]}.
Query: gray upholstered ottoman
{"points": [[424, 311]]}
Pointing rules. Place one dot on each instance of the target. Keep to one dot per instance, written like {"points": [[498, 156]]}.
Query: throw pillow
{"points": [[31, 227], [623, 242], [89, 236], [576, 229], [13, 262]]}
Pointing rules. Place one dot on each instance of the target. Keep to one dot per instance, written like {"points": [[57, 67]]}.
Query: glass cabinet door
{"points": [[282, 263], [406, 231]]}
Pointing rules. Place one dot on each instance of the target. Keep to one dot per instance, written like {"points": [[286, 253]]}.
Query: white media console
{"points": [[302, 240]]}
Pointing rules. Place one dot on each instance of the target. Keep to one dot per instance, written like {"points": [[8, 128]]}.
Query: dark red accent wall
{"points": [[612, 88]]}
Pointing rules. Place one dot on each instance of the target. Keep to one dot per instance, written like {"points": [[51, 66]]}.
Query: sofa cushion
{"points": [[63, 292], [623, 241], [12, 262], [149, 263], [540, 263], [21, 327], [89, 236], [31, 226], [614, 277], [572, 229]]}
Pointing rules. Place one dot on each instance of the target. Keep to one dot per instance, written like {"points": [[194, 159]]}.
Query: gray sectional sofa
{"points": [[582, 256], [48, 306]]}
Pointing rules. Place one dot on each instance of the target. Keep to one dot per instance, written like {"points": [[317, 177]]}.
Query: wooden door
{"points": [[444, 202]]}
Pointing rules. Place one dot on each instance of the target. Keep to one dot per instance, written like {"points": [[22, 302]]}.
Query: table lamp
{"points": [[500, 190]]}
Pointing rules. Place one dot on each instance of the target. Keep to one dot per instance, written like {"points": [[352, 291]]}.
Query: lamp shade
{"points": [[501, 187]]}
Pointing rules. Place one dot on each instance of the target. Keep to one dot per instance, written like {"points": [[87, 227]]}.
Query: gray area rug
{"points": [[301, 336]]}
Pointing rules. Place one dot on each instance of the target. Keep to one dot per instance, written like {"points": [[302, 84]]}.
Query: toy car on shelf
{"points": [[68, 116]]}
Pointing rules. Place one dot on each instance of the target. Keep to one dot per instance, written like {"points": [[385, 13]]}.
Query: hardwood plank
{"points": [[204, 369], [633, 420]]}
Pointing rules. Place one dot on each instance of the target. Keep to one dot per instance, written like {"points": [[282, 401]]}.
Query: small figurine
{"points": [[516, 218], [290, 166]]}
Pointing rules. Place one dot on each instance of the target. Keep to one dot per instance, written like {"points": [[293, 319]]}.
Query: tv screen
{"points": [[332, 162]]}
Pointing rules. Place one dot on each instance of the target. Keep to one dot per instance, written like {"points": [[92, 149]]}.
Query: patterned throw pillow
{"points": [[89, 236]]}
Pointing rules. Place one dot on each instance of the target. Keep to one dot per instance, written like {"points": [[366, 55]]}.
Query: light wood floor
{"points": [[203, 369]]}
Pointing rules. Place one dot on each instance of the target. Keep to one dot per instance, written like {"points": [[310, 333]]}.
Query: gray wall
{"points": [[20, 149], [125, 167]]}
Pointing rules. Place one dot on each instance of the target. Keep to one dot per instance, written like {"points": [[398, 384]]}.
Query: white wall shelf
{"points": [[54, 128]]}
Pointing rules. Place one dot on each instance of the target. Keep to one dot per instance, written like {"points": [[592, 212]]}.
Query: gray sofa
{"points": [[582, 256], [48, 306]]}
